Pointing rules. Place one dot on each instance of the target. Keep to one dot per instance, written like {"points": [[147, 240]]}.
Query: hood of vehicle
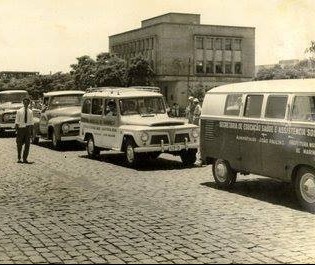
{"points": [[10, 106], [65, 112], [155, 121]]}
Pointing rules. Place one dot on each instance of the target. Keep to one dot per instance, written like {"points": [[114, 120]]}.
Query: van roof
{"points": [[65, 92], [123, 92], [270, 86]]}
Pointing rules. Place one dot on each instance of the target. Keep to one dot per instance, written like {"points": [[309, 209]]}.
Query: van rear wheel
{"points": [[305, 188], [224, 175], [91, 149]]}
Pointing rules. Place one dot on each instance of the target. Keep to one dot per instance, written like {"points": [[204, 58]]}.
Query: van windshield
{"points": [[12, 97], [66, 101], [143, 106]]}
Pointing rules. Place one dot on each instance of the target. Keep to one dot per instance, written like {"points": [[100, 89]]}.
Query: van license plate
{"points": [[174, 148]]}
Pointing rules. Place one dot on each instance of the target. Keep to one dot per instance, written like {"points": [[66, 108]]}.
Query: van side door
{"points": [[249, 134], [110, 122], [274, 136]]}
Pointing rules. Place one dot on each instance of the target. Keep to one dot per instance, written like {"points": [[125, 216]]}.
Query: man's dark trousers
{"points": [[23, 137]]}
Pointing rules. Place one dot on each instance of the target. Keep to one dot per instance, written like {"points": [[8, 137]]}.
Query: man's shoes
{"points": [[26, 162], [19, 161]]}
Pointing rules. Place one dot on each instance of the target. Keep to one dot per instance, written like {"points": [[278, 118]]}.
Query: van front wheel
{"points": [[131, 155], [223, 174], [305, 188]]}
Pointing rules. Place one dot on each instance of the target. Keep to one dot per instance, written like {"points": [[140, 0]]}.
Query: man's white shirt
{"points": [[20, 118]]}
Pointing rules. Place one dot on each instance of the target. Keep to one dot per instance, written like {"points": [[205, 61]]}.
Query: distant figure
{"points": [[190, 110], [197, 112], [175, 110], [24, 127]]}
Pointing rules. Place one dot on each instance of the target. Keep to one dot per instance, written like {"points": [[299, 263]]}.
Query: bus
{"points": [[265, 128]]}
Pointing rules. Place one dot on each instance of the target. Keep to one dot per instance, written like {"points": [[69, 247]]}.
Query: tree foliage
{"points": [[83, 72], [140, 72]]}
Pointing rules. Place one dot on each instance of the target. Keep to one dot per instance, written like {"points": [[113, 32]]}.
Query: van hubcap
{"points": [[307, 187], [221, 172], [130, 154], [90, 146]]}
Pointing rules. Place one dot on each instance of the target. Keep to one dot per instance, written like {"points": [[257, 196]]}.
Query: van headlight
{"points": [[144, 137], [195, 133], [65, 128]]}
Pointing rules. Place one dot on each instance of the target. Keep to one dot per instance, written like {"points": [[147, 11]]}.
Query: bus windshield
{"points": [[12, 97], [143, 106]]}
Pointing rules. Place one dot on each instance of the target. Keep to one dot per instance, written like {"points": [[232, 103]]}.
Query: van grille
{"points": [[180, 138], [156, 139], [209, 130]]}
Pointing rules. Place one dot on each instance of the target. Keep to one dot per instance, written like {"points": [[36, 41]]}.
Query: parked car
{"points": [[59, 118], [10, 102], [134, 121]]}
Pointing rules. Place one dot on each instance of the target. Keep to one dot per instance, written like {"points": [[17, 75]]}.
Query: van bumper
{"points": [[9, 126], [166, 148]]}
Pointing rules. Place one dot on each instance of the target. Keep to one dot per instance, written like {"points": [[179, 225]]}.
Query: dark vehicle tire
{"points": [[188, 157], [1, 132], [56, 144], [92, 150], [224, 175], [132, 158], [305, 188], [35, 139]]}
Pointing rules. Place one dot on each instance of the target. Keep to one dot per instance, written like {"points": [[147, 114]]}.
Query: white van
{"points": [[265, 128], [134, 121]]}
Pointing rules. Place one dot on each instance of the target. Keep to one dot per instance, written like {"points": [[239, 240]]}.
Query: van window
{"points": [[97, 106], [110, 108], [86, 108], [233, 105], [253, 106], [276, 107], [304, 108]]}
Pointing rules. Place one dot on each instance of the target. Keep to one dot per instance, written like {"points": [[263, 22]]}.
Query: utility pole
{"points": [[188, 77]]}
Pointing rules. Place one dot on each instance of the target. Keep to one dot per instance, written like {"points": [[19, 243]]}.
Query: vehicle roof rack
{"points": [[121, 89]]}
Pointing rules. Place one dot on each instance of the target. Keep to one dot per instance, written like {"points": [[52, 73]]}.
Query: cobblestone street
{"points": [[66, 208]]}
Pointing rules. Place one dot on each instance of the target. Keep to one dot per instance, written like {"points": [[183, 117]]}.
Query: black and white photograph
{"points": [[157, 132]]}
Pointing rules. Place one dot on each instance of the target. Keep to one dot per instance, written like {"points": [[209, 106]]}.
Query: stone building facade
{"points": [[186, 54]]}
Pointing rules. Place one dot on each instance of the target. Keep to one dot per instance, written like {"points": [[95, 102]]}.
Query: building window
{"points": [[238, 68], [199, 43], [209, 67], [237, 45], [199, 67], [218, 68], [228, 44], [218, 44], [209, 44], [228, 68]]}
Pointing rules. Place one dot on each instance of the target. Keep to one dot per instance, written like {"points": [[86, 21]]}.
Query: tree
{"points": [[110, 71], [140, 72], [83, 72], [199, 92]]}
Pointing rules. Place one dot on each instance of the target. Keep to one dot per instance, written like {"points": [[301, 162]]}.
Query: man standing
{"points": [[24, 127], [190, 110], [197, 112]]}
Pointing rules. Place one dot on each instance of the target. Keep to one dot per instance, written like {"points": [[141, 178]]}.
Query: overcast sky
{"points": [[48, 35]]}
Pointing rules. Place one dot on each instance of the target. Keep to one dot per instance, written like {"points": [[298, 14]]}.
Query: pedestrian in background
{"points": [[190, 110], [197, 112], [24, 127]]}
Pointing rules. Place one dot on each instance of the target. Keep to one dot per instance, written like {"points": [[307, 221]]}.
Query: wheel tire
{"points": [[35, 139], [188, 157], [305, 188], [56, 144], [91, 149], [224, 175], [132, 158]]}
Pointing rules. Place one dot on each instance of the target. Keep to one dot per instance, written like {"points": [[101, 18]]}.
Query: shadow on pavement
{"points": [[65, 146], [264, 189], [145, 165]]}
